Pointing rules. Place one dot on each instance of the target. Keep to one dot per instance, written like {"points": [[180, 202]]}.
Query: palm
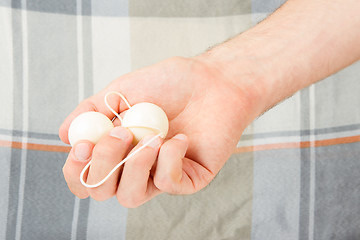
{"points": [[198, 103]]}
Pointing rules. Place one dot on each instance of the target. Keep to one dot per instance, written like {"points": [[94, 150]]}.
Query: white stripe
{"points": [[75, 218], [80, 56], [110, 45], [6, 107], [6, 69], [298, 173], [25, 119], [80, 64], [268, 140], [312, 161]]}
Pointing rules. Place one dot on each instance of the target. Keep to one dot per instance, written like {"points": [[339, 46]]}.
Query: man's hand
{"points": [[213, 97], [207, 114]]}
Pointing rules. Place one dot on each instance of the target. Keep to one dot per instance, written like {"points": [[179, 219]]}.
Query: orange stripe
{"points": [[34, 146], [318, 143]]}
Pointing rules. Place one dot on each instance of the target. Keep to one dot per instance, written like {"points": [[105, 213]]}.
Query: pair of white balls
{"points": [[141, 119]]}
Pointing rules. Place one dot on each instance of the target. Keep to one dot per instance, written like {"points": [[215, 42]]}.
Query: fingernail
{"points": [[82, 151], [155, 143], [180, 137], [120, 133]]}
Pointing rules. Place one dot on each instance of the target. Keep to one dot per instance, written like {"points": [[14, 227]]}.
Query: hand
{"points": [[207, 113]]}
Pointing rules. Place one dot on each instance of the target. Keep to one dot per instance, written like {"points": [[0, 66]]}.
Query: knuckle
{"points": [[128, 202], [103, 151], [143, 159], [80, 194], [169, 150], [166, 150], [138, 162], [105, 154], [165, 184], [99, 195]]}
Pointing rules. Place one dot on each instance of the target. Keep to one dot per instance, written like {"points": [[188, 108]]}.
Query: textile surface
{"points": [[294, 175]]}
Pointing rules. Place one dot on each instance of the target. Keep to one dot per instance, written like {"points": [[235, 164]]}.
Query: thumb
{"points": [[169, 175]]}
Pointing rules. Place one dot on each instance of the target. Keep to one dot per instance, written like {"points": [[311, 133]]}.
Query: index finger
{"points": [[95, 103], [85, 106], [74, 165]]}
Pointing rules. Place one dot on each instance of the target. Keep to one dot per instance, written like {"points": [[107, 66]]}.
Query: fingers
{"points": [[78, 157], [94, 103], [107, 153], [136, 185], [176, 174], [169, 171], [85, 106]]}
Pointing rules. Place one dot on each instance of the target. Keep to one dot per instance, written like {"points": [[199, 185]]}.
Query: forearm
{"points": [[302, 42]]}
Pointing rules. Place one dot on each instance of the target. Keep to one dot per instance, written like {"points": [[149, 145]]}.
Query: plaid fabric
{"points": [[294, 175]]}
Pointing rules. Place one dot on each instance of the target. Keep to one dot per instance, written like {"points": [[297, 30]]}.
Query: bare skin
{"points": [[210, 99]]}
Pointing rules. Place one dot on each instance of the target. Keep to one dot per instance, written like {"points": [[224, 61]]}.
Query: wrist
{"points": [[245, 71]]}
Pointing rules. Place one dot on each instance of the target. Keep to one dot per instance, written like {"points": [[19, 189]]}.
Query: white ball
{"points": [[146, 118], [89, 126]]}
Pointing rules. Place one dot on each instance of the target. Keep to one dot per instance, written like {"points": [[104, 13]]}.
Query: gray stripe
{"points": [[265, 6], [17, 123], [188, 8], [277, 183], [48, 205], [345, 128], [18, 133], [5, 156], [53, 64], [53, 6], [272, 134], [110, 8], [149, 8], [15, 3], [304, 167], [304, 194], [87, 48], [86, 5], [338, 129], [6, 3], [107, 220], [75, 218], [13, 193], [337, 208], [83, 219]]}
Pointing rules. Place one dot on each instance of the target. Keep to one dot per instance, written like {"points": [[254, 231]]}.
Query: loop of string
{"points": [[116, 167], [126, 158], [111, 109]]}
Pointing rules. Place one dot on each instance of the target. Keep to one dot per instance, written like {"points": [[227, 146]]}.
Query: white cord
{"points": [[125, 159], [115, 168]]}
